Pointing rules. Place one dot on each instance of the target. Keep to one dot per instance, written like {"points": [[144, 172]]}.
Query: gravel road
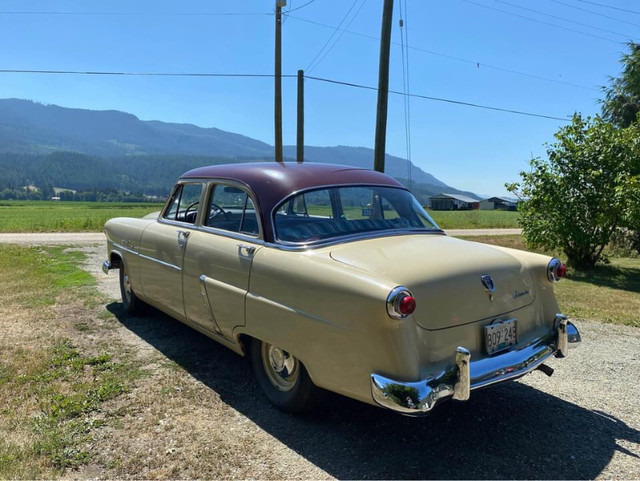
{"points": [[581, 423]]}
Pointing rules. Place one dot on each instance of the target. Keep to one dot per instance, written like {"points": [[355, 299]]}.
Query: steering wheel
{"points": [[216, 210], [191, 206]]}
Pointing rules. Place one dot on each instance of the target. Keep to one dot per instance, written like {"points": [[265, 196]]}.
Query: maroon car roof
{"points": [[272, 181]]}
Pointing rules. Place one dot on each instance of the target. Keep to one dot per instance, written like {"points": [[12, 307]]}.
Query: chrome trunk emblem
{"points": [[489, 286]]}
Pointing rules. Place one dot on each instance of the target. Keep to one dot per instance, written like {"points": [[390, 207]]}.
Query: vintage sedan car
{"points": [[335, 277]]}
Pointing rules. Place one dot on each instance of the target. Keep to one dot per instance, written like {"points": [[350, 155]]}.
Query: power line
{"points": [[301, 6], [562, 18], [540, 21], [170, 14], [141, 74], [339, 36], [451, 57], [440, 99], [405, 87], [331, 36], [610, 6], [595, 13], [252, 75]]}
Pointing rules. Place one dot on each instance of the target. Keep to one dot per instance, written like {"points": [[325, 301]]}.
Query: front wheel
{"points": [[283, 378], [130, 301]]}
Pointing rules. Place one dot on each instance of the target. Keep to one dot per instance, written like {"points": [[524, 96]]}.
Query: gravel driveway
{"points": [[582, 423]]}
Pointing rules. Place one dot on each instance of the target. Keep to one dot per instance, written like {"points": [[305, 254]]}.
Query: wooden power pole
{"points": [[278, 81], [300, 139], [383, 87]]}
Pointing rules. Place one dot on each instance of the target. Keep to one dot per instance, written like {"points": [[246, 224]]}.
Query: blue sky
{"points": [[472, 47]]}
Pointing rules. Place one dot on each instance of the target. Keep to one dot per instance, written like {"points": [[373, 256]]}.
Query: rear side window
{"points": [[230, 208], [184, 203]]}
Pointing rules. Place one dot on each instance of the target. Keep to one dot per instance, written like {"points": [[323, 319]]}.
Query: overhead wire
{"points": [[441, 99], [252, 75], [610, 6], [595, 13], [562, 27], [335, 31], [170, 14], [452, 57], [503, 2], [301, 6], [405, 89]]}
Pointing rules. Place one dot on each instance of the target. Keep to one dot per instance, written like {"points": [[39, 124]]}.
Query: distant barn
{"points": [[453, 202], [498, 203]]}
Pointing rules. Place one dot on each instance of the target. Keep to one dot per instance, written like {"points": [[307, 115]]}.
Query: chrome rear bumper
{"points": [[459, 379]]}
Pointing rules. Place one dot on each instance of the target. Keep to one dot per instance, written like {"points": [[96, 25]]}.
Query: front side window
{"points": [[184, 203], [334, 212], [231, 209]]}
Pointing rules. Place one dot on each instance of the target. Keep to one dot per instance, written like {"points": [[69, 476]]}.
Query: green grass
{"points": [[607, 293], [475, 219], [52, 390], [50, 216]]}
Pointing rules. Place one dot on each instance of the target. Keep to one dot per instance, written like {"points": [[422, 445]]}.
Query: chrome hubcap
{"points": [[280, 366]]}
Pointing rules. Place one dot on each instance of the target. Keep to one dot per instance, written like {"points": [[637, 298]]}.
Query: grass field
{"points": [[475, 219], [55, 373], [608, 293], [48, 216], [51, 216]]}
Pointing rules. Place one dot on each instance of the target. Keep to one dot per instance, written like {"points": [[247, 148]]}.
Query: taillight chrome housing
{"points": [[556, 270], [400, 303]]}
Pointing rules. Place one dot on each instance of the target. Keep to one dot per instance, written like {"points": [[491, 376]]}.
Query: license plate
{"points": [[500, 336]]}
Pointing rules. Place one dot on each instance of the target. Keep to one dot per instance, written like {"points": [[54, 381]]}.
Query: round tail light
{"points": [[556, 270], [400, 303]]}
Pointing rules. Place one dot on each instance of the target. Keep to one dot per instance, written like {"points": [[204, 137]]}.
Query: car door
{"points": [[163, 247], [218, 259]]}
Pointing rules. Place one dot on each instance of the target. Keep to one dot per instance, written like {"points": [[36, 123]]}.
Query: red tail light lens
{"points": [[562, 271], [400, 303], [556, 270], [407, 305]]}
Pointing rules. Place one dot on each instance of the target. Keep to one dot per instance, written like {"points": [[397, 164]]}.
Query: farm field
{"points": [[475, 219], [608, 293], [53, 216]]}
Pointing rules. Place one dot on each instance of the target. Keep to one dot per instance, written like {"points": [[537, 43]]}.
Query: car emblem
{"points": [[489, 286]]}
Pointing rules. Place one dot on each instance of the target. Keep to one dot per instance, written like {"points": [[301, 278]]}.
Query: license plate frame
{"points": [[500, 335]]}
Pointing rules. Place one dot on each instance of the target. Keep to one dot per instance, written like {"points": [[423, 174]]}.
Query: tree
{"points": [[577, 198], [621, 104]]}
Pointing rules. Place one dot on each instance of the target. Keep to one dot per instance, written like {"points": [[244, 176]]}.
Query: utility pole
{"points": [[278, 81], [383, 87], [300, 140]]}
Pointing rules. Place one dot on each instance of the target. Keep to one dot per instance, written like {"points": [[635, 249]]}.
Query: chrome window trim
{"points": [[211, 184], [181, 182], [351, 238], [230, 234], [330, 186]]}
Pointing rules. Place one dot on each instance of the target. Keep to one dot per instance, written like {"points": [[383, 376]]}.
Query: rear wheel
{"points": [[130, 301], [283, 378]]}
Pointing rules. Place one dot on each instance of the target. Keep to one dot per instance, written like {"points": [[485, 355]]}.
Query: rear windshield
{"points": [[334, 212]]}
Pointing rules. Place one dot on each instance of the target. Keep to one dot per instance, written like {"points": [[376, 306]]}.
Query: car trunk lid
{"points": [[445, 275]]}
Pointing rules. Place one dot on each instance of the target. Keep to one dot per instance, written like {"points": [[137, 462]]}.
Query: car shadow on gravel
{"points": [[510, 431]]}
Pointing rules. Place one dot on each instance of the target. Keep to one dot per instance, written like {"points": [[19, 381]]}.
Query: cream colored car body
{"points": [[326, 305]]}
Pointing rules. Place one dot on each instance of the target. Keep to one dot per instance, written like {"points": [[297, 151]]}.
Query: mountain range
{"points": [[90, 149]]}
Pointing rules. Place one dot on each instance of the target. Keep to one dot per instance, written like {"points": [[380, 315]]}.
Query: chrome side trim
{"points": [[463, 375], [162, 263], [207, 303], [125, 249], [352, 238]]}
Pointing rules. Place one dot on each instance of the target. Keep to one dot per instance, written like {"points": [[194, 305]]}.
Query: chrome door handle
{"points": [[249, 249], [182, 237]]}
